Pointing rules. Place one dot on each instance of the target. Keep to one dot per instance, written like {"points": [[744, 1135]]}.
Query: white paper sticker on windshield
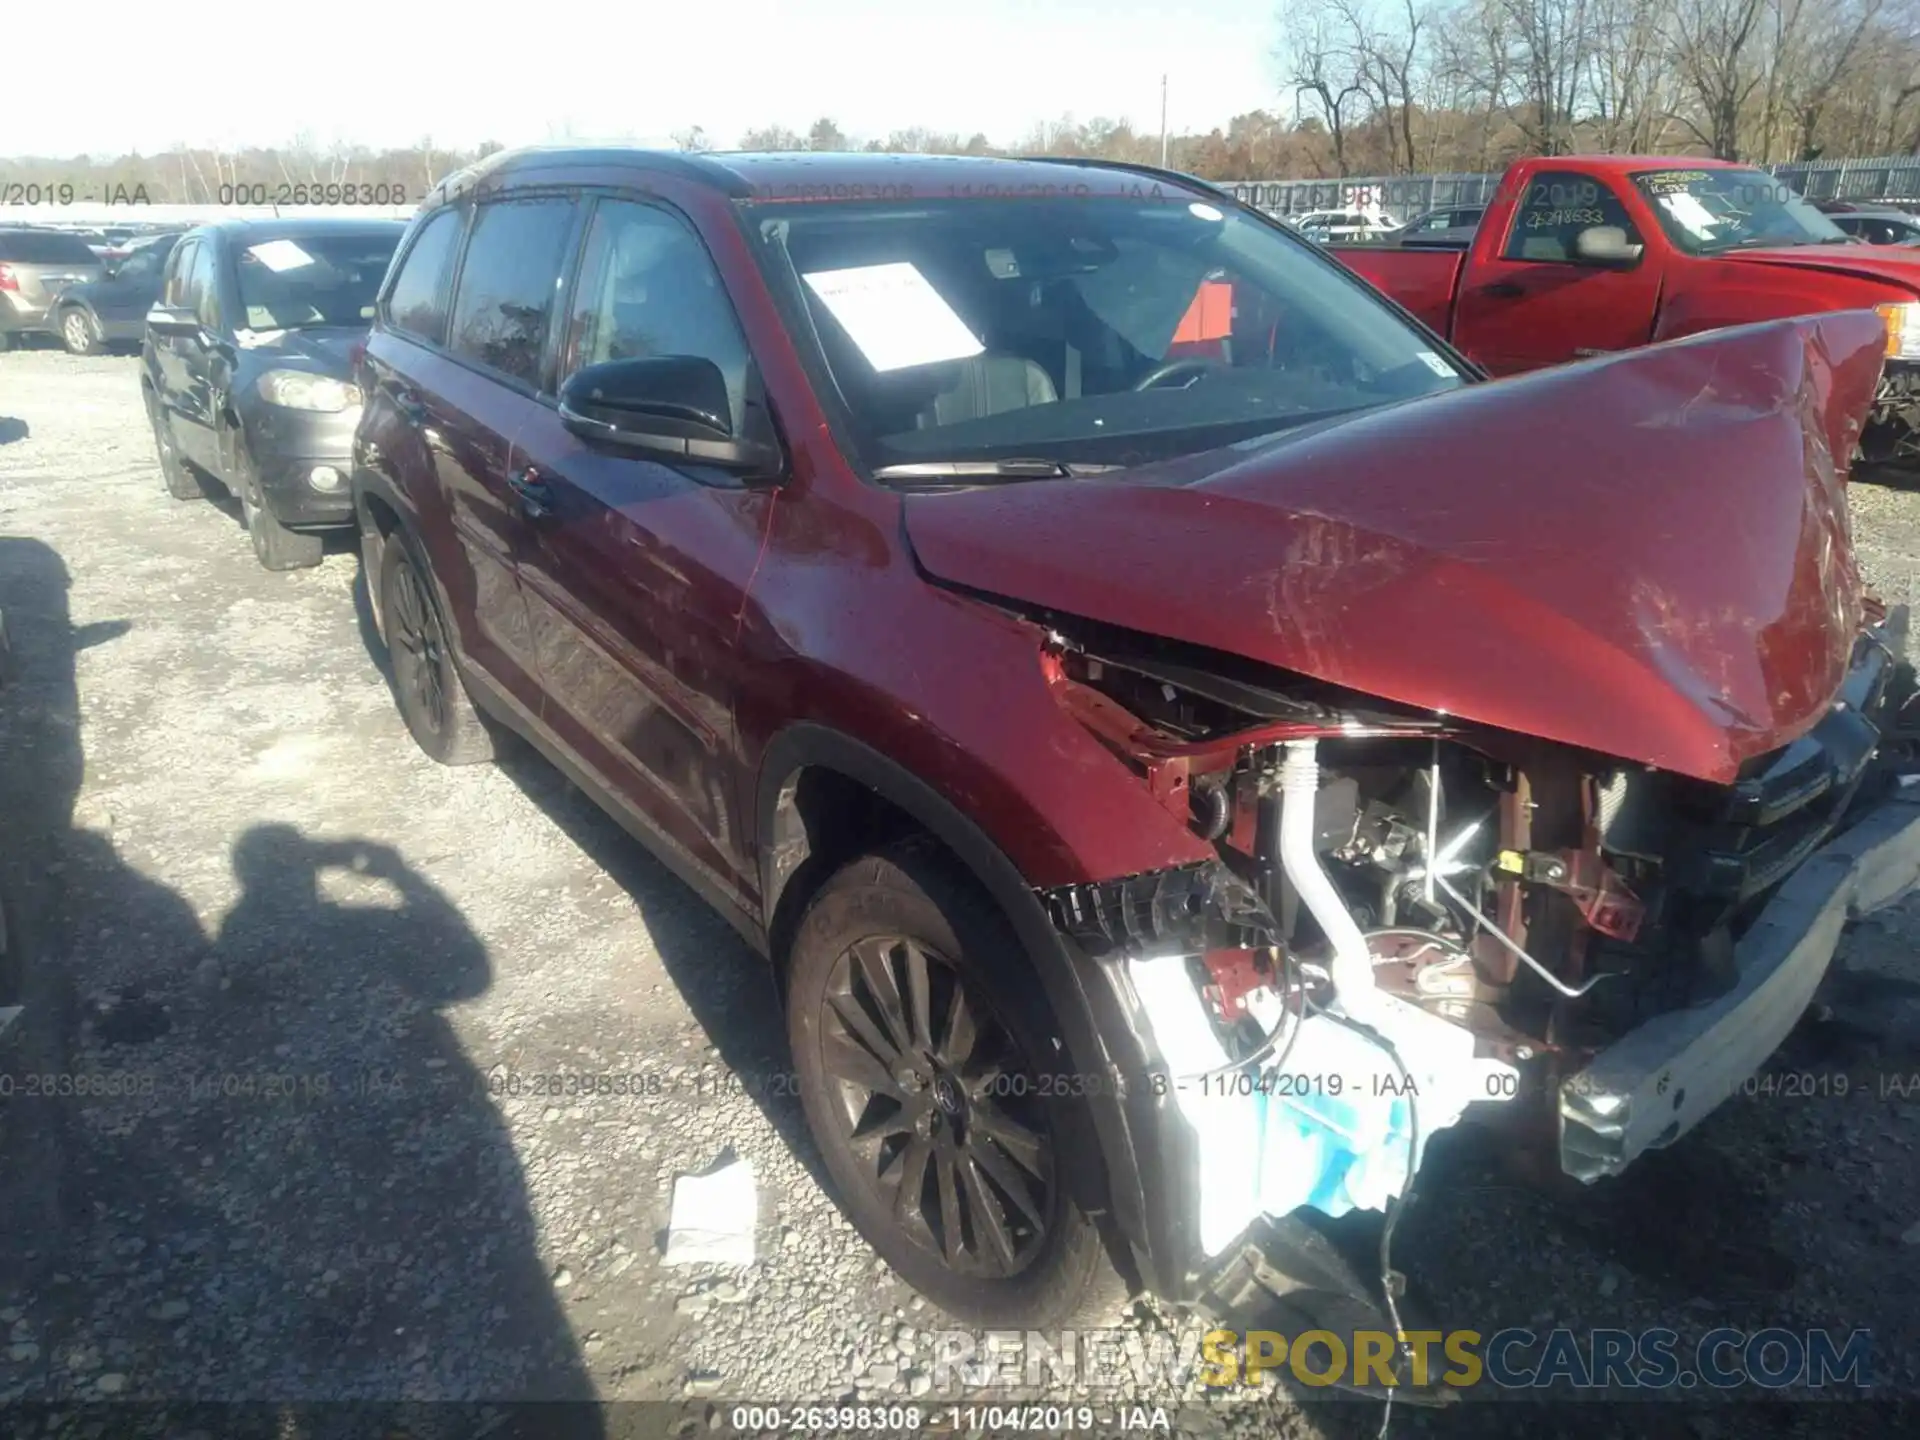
{"points": [[1688, 210], [894, 315], [279, 255], [1436, 364]]}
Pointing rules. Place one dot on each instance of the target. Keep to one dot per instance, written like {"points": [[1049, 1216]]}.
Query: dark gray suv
{"points": [[247, 365]]}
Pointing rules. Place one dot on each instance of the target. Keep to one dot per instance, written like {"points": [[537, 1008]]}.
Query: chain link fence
{"points": [[1895, 177]]}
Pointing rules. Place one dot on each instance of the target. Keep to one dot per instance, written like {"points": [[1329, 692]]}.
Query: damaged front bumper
{"points": [[1661, 1079]]}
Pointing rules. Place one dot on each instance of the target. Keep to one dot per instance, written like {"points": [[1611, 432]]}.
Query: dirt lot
{"points": [[310, 982]]}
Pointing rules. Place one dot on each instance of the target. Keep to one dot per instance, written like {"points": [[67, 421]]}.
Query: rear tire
{"points": [[427, 688], [949, 1161], [77, 332]]}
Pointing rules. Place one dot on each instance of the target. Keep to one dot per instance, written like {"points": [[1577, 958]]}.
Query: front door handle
{"points": [[1503, 290], [411, 407], [536, 496]]}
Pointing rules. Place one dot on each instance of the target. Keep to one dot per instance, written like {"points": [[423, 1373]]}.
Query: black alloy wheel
{"points": [[940, 1104]]}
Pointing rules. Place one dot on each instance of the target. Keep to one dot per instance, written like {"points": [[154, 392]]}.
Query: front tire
{"points": [[427, 687], [919, 1051], [274, 545], [77, 332]]}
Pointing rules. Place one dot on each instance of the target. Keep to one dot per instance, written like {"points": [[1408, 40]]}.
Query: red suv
{"points": [[1179, 737]]}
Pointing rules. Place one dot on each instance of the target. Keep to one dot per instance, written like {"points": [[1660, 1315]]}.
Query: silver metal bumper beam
{"points": [[1660, 1080]]}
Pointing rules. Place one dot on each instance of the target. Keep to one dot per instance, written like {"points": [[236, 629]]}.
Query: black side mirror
{"points": [[173, 320], [1605, 245], [673, 407]]}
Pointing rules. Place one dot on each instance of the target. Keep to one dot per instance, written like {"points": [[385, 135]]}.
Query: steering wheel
{"points": [[1187, 365]]}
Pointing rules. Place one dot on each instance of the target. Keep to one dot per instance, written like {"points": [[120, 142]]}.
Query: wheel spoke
{"points": [[1018, 1187], [876, 968], [957, 1040], [913, 1179], [850, 1062], [988, 1218], [950, 1234], [919, 995], [1022, 1145], [852, 1014]]}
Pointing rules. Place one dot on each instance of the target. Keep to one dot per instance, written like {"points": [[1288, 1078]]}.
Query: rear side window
{"points": [[418, 304], [1558, 205], [45, 247], [509, 283]]}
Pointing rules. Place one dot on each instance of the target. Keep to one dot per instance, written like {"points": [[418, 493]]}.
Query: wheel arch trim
{"points": [[1077, 993]]}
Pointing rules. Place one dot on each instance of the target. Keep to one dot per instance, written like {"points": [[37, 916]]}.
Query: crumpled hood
{"points": [[1891, 264], [1647, 554]]}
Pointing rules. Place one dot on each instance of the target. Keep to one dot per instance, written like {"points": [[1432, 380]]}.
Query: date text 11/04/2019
{"points": [[957, 1419]]}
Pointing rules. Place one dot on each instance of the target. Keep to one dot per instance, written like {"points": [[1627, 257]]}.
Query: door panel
{"points": [[634, 585], [1525, 301], [462, 425]]}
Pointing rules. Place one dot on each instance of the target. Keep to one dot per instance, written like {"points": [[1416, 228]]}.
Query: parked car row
{"points": [[1023, 620], [87, 292]]}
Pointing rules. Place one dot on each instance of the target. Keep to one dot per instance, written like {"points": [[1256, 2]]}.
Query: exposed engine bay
{"points": [[1412, 915]]}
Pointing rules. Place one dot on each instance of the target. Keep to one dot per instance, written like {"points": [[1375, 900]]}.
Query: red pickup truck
{"points": [[1579, 256]]}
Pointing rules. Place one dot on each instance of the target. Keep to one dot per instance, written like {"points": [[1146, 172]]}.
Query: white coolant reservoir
{"points": [[1332, 1127], [1337, 1121]]}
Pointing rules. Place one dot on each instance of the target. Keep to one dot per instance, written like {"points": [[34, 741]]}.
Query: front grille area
{"points": [[1774, 817]]}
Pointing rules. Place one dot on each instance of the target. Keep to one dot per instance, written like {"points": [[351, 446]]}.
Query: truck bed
{"points": [[1422, 279]]}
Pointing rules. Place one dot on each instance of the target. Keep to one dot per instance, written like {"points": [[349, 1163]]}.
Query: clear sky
{"points": [[226, 73]]}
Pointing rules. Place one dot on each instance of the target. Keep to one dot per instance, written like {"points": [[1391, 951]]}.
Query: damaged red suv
{"points": [[1180, 737]]}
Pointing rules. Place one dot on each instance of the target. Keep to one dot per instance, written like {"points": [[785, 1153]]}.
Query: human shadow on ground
{"points": [[252, 1169]]}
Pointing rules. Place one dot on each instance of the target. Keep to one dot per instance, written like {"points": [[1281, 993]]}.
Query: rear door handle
{"points": [[536, 496], [1503, 290]]}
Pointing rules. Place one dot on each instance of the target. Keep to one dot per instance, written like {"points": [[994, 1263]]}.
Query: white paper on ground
{"points": [[893, 313], [280, 255], [713, 1216]]}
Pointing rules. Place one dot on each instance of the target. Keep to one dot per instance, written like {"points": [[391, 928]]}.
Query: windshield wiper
{"points": [[991, 470]]}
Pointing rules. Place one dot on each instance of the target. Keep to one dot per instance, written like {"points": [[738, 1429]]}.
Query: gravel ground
{"points": [[317, 980]]}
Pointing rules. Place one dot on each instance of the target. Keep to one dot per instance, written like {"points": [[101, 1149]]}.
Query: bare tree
{"points": [[1320, 68]]}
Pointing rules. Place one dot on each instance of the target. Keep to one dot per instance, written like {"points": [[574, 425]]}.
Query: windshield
{"points": [[1080, 330], [310, 281], [1707, 211]]}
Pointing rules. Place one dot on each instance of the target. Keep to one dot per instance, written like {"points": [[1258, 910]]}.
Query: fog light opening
{"points": [[326, 479]]}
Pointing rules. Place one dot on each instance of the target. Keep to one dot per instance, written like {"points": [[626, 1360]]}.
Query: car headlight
{"points": [[298, 390], [1903, 329]]}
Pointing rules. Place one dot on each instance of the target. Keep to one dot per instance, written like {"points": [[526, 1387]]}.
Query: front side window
{"points": [[179, 271], [648, 287], [1711, 210], [418, 302], [1558, 205], [508, 284], [200, 297], [1091, 330], [315, 281]]}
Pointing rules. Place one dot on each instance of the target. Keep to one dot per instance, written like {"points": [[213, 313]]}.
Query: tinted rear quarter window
{"points": [[418, 304], [508, 284], [45, 247]]}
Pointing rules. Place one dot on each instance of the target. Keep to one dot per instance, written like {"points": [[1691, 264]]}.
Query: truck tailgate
{"points": [[1421, 280]]}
